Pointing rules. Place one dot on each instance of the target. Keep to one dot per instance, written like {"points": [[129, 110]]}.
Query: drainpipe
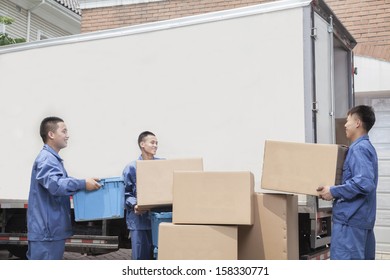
{"points": [[29, 18], [332, 93]]}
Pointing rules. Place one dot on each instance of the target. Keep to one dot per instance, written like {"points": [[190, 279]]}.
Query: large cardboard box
{"points": [[274, 234], [213, 198], [197, 242], [301, 167], [155, 179]]}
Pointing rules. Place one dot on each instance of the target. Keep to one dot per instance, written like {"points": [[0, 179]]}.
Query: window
{"points": [[2, 26], [41, 35]]}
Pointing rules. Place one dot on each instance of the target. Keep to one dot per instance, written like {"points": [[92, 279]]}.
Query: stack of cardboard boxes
{"points": [[207, 209], [217, 215]]}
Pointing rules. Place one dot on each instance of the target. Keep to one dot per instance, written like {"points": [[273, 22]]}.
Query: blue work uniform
{"points": [[139, 225], [48, 214], [354, 205]]}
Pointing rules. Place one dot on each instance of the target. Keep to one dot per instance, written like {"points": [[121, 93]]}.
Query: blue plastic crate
{"points": [[106, 203], [156, 218]]}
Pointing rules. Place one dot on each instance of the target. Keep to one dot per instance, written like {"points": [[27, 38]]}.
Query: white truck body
{"points": [[214, 86]]}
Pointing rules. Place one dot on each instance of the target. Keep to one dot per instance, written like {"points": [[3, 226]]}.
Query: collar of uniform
{"points": [[50, 149], [140, 157], [361, 138]]}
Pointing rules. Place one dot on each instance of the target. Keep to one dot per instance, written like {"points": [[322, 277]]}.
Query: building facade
{"points": [[368, 21], [41, 19]]}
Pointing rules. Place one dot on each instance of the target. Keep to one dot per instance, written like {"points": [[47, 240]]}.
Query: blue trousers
{"points": [[46, 250], [141, 244], [349, 243]]}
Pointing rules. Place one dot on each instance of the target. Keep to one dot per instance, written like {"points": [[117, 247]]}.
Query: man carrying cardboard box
{"points": [[138, 221], [354, 201]]}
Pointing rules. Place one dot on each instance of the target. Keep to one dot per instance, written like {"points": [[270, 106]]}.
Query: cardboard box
{"points": [[155, 179], [301, 167], [197, 242], [218, 198], [274, 234]]}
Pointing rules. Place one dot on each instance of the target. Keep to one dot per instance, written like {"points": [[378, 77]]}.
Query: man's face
{"points": [[149, 144], [60, 136], [351, 126]]}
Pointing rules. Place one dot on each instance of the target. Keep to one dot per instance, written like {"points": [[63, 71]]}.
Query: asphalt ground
{"points": [[121, 254]]}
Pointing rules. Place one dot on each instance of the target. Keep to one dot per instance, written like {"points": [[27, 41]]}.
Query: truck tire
{"points": [[18, 251], [17, 223]]}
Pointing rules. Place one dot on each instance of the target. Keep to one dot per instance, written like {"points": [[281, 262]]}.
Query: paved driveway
{"points": [[121, 254]]}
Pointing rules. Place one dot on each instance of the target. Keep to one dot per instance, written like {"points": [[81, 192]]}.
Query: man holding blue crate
{"points": [[138, 221], [48, 214]]}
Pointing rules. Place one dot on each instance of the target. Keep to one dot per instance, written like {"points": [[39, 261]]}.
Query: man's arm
{"points": [[362, 181], [51, 177], [131, 199]]}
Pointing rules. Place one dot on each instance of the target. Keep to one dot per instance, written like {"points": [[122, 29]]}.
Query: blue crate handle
{"points": [[103, 181]]}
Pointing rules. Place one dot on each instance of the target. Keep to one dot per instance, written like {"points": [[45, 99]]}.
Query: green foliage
{"points": [[5, 39], [6, 20]]}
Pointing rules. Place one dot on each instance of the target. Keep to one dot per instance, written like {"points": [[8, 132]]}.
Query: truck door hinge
{"points": [[330, 26], [314, 33], [315, 108]]}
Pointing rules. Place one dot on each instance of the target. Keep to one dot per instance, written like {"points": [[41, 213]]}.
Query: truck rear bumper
{"points": [[88, 244]]}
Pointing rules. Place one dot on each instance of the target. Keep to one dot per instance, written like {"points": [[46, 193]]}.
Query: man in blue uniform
{"points": [[48, 214], [138, 221], [354, 201]]}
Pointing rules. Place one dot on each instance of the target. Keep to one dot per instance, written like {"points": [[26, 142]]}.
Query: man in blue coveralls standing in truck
{"points": [[48, 215]]}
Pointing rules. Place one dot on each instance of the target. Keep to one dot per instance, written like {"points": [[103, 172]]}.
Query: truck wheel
{"points": [[18, 251], [17, 223]]}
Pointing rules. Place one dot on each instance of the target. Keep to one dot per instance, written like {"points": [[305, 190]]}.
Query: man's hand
{"points": [[138, 211], [324, 193], [92, 184]]}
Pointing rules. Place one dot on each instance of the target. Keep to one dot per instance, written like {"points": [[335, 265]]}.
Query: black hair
{"points": [[48, 124], [143, 135], [366, 114]]}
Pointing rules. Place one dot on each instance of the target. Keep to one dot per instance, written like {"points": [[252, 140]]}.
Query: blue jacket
{"points": [[355, 199], [133, 221], [48, 213]]}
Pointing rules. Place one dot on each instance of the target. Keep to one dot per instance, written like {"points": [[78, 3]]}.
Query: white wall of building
{"points": [[373, 75], [372, 87]]}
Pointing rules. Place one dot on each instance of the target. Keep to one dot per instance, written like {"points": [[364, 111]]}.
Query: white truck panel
{"points": [[213, 89]]}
